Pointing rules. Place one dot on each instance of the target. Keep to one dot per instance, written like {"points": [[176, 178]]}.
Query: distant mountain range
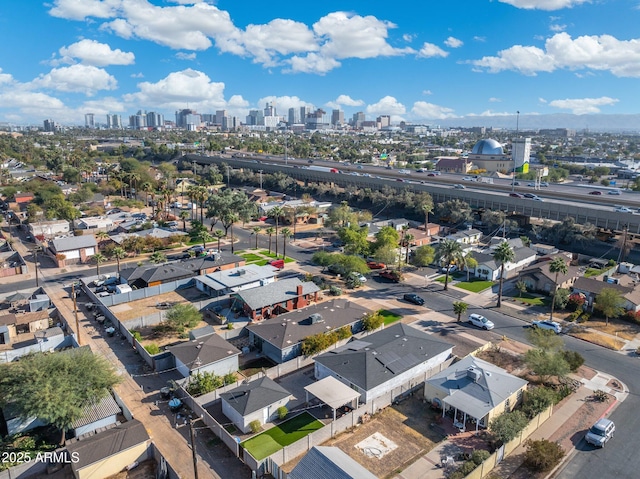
{"points": [[597, 123]]}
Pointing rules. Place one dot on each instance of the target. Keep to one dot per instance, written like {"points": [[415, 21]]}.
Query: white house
{"points": [[49, 229], [389, 361], [468, 236], [236, 279], [258, 400], [95, 223], [210, 354], [490, 270]]}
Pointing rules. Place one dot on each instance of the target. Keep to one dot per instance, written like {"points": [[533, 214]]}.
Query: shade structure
{"points": [[332, 392], [12, 298]]}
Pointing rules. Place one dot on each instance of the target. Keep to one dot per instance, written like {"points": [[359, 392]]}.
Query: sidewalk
{"points": [[428, 466]]}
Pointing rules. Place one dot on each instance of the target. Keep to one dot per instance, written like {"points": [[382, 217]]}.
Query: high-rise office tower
{"points": [[89, 120], [337, 118]]}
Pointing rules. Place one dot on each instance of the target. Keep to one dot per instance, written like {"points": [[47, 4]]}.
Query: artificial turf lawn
{"points": [[389, 317], [474, 286], [274, 439]]}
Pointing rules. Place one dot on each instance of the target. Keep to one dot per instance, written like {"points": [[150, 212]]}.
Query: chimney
{"points": [[299, 290]]}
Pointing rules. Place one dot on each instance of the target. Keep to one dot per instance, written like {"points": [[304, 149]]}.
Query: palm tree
{"points": [[286, 234], [276, 213], [184, 215], [426, 207], [102, 236], [459, 308], [147, 188], [270, 231], [158, 257], [470, 263], [256, 231], [118, 253], [557, 266], [447, 253], [230, 219], [98, 259], [502, 255], [408, 238], [204, 236], [218, 235]]}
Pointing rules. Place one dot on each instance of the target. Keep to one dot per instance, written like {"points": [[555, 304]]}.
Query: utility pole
{"points": [[193, 449], [260, 172], [624, 245], [35, 256], [285, 147], [513, 179], [75, 312]]}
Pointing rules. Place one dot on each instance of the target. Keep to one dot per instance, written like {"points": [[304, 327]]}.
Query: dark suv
{"points": [[414, 298]]}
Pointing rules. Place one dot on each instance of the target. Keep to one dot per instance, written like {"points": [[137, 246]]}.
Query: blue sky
{"points": [[417, 61]]}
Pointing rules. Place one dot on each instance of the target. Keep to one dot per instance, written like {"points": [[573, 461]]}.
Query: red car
{"points": [[515, 195], [595, 192], [375, 265]]}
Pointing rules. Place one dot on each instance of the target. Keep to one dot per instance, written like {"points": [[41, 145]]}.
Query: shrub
{"points": [[152, 348], [479, 456], [372, 321], [282, 412], [255, 426], [344, 333], [542, 455], [203, 383], [335, 291], [576, 301], [508, 425], [229, 378], [574, 359], [136, 335], [537, 399]]}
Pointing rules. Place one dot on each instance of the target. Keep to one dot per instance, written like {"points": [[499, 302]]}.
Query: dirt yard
{"points": [[147, 306], [406, 425]]}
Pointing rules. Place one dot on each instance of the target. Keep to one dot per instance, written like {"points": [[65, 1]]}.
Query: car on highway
{"points": [[516, 195], [414, 298], [531, 184], [544, 184], [459, 186], [480, 321], [546, 324], [531, 196], [467, 178], [600, 432], [614, 192], [595, 192], [622, 209]]}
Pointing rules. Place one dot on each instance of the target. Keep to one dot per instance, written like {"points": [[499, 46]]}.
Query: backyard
{"points": [[277, 437], [260, 257]]}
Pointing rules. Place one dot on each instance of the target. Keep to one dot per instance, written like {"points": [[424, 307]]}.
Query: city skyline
{"points": [[462, 61]]}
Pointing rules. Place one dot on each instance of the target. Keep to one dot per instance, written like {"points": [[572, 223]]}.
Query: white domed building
{"points": [[489, 155]]}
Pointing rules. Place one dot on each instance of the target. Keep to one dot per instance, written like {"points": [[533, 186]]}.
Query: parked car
{"points": [[452, 269], [358, 276], [600, 432], [596, 192], [414, 298], [546, 324], [480, 321], [516, 195], [376, 265], [391, 275]]}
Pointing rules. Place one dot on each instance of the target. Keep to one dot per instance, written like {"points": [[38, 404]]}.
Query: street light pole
{"points": [[193, 449]]}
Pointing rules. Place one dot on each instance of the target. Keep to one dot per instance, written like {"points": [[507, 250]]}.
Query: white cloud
{"points": [[279, 37], [5, 78], [386, 106], [81, 9], [282, 103], [494, 100], [312, 63], [453, 42], [544, 4], [91, 52], [427, 92], [422, 109], [178, 89], [76, 78], [581, 106], [430, 50], [346, 100], [603, 53], [555, 27], [185, 56], [103, 106], [491, 113], [408, 37], [480, 39]]}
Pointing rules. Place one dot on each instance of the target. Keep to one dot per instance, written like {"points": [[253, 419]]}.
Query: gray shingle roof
{"points": [[107, 443], [288, 329], [255, 396], [323, 462], [377, 358], [207, 350], [73, 242], [277, 292], [477, 394]]}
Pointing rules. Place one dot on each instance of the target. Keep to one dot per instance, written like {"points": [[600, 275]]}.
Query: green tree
{"points": [[118, 253], [424, 255], [181, 317], [470, 263], [610, 303], [521, 286], [275, 213], [502, 255], [459, 308], [56, 387], [355, 239], [508, 425], [542, 455], [204, 236], [546, 364], [388, 237], [98, 259], [448, 252], [286, 234], [537, 399], [158, 257], [184, 216], [557, 266], [545, 339], [270, 231], [386, 255], [256, 230], [218, 235], [372, 321]]}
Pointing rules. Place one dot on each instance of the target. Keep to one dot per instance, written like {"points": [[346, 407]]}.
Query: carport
{"points": [[333, 393]]}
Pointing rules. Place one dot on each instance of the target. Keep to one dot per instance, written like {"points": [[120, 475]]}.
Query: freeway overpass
{"points": [[555, 205]]}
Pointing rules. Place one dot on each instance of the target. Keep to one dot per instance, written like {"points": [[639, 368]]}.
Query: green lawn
{"points": [[274, 439], [389, 317], [474, 286], [265, 252], [250, 257], [532, 300], [591, 272]]}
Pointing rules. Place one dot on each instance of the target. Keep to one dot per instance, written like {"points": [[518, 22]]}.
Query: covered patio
{"points": [[333, 393], [466, 411]]}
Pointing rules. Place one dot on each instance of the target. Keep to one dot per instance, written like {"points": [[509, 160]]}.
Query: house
{"points": [[96, 416], [45, 340], [210, 354], [94, 224], [258, 400], [591, 288], [449, 164], [330, 462], [537, 276], [490, 270], [397, 224], [73, 250], [49, 229], [124, 229], [280, 339], [109, 452], [277, 298], [475, 390], [20, 323], [387, 362], [466, 237], [233, 280], [23, 198]]}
